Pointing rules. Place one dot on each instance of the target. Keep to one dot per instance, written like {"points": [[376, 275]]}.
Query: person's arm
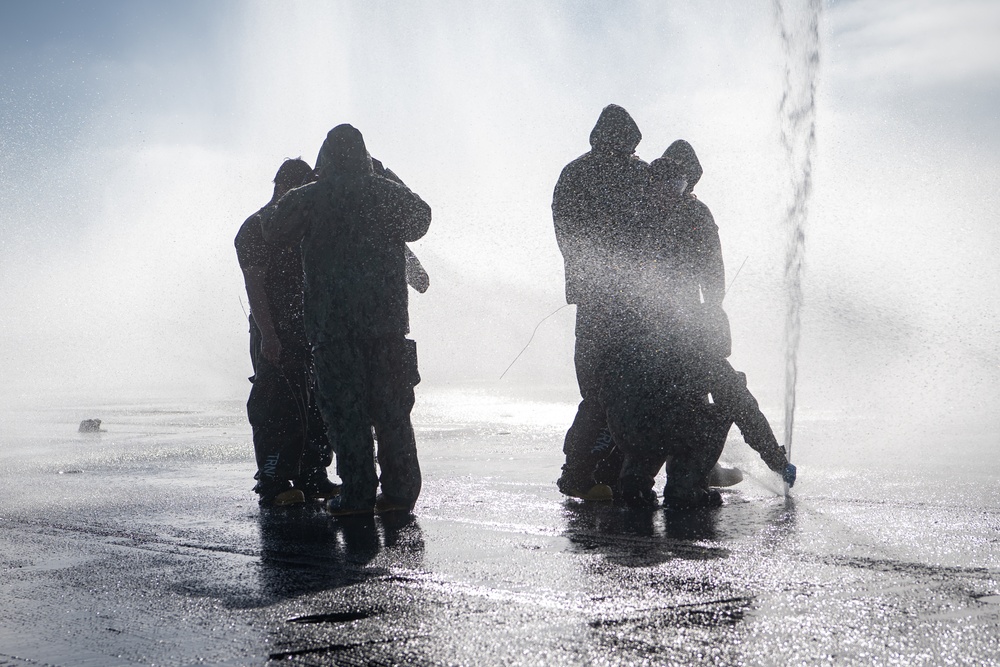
{"points": [[252, 254], [570, 217], [712, 276], [733, 395], [416, 276], [255, 279], [285, 222], [570, 213], [398, 210]]}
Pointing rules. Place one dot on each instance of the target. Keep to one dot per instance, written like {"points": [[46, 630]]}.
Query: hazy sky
{"points": [[135, 137]]}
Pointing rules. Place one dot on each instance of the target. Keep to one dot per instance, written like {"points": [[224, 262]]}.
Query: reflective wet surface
{"points": [[143, 544]]}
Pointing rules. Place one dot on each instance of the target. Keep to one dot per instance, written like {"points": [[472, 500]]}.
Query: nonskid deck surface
{"points": [[155, 552]]}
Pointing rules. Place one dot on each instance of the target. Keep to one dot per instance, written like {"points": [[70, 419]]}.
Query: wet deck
{"points": [[156, 553]]}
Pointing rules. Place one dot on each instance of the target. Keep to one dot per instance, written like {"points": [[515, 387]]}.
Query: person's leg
{"points": [[631, 397], [277, 430], [580, 447], [342, 372], [609, 465], [394, 375], [699, 436], [318, 453], [638, 473]]}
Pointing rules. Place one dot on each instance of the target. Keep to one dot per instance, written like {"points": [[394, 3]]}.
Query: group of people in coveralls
{"points": [[327, 270], [643, 264]]}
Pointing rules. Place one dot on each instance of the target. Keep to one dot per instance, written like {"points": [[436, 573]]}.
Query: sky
{"points": [[136, 136]]}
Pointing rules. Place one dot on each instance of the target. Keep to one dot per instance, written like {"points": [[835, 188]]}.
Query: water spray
{"points": [[798, 23]]}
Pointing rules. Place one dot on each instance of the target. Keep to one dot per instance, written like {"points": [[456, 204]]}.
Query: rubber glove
{"points": [[789, 475]]}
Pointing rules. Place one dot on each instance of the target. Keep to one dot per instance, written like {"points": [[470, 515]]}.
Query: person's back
{"points": [[672, 281], [355, 262], [596, 194]]}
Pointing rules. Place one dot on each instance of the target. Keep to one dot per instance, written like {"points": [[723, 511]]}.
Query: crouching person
{"points": [[660, 413], [353, 226]]}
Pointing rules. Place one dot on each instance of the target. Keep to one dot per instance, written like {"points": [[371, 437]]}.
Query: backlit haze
{"points": [[135, 138]]}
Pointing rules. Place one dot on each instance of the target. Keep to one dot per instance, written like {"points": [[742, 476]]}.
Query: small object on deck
{"points": [[90, 426]]}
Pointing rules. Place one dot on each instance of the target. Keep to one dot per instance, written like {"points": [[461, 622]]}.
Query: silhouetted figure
{"points": [[352, 225], [289, 436], [596, 195], [671, 394]]}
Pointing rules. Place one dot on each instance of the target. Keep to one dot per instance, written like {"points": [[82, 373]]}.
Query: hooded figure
{"points": [[596, 194], [343, 153], [594, 199], [353, 225], [354, 258], [681, 257], [683, 154]]}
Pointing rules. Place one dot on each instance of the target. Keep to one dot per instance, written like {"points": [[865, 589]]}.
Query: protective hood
{"points": [[681, 152], [615, 131], [343, 154]]}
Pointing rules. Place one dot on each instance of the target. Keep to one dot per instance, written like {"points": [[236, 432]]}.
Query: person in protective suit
{"points": [[289, 437], [595, 197], [352, 225], [669, 388]]}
